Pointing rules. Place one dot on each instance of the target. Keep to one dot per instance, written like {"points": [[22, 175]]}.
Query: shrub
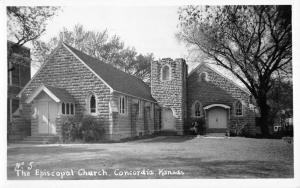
{"points": [[198, 127], [91, 129], [231, 132], [246, 131], [70, 130], [201, 126], [241, 129]]}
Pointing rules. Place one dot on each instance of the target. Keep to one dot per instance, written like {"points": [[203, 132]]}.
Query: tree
{"points": [[26, 24], [279, 98], [252, 42], [101, 46]]}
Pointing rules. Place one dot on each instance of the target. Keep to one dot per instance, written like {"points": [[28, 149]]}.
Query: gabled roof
{"points": [[115, 79], [118, 80], [57, 94], [219, 73]]}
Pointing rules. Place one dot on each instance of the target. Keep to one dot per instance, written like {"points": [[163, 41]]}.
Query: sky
{"points": [[149, 29]]}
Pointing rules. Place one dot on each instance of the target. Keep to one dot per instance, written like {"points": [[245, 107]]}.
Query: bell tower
{"points": [[168, 87]]}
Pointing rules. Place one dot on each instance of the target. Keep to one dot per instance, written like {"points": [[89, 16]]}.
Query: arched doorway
{"points": [[168, 119], [217, 117]]}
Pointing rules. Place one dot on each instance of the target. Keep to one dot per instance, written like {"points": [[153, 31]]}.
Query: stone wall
{"points": [[171, 93], [65, 71], [218, 90]]}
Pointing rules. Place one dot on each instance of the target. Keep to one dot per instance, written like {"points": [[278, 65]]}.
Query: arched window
{"points": [[72, 108], [63, 108], [166, 73], [92, 104], [203, 76], [122, 105], [68, 108], [238, 108], [197, 109]]}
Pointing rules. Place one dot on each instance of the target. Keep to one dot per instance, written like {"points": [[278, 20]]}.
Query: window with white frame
{"points": [[152, 111], [67, 108], [122, 105], [92, 104], [197, 109], [166, 73], [238, 108]]}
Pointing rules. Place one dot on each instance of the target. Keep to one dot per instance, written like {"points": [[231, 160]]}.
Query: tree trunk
{"points": [[264, 115]]}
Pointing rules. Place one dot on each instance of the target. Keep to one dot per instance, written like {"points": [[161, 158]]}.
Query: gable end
{"points": [[111, 89], [220, 74]]}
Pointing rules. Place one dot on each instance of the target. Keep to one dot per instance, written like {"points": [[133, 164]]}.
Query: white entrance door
{"points": [[217, 118], [47, 116], [168, 120], [43, 117], [53, 111]]}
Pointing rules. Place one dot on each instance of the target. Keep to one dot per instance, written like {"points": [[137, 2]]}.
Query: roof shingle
{"points": [[115, 78], [60, 93]]}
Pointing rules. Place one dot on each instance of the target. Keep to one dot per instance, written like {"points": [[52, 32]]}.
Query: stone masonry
{"points": [[171, 93], [63, 70], [219, 90]]}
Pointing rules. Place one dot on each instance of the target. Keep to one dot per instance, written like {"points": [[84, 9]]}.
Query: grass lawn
{"points": [[166, 157]]}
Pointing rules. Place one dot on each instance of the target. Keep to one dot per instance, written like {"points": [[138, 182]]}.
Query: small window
{"points": [[151, 111], [238, 108], [122, 105], [67, 108], [197, 109], [204, 76], [166, 73], [92, 104], [72, 108], [63, 108], [139, 110]]}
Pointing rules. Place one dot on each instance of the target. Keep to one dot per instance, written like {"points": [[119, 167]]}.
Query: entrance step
{"points": [[214, 130], [40, 139], [211, 135]]}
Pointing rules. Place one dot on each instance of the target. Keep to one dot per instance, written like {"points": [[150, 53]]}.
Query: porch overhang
{"points": [[57, 94]]}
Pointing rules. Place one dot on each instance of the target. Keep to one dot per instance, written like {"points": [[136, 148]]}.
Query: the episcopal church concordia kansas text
{"points": [[71, 83]]}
